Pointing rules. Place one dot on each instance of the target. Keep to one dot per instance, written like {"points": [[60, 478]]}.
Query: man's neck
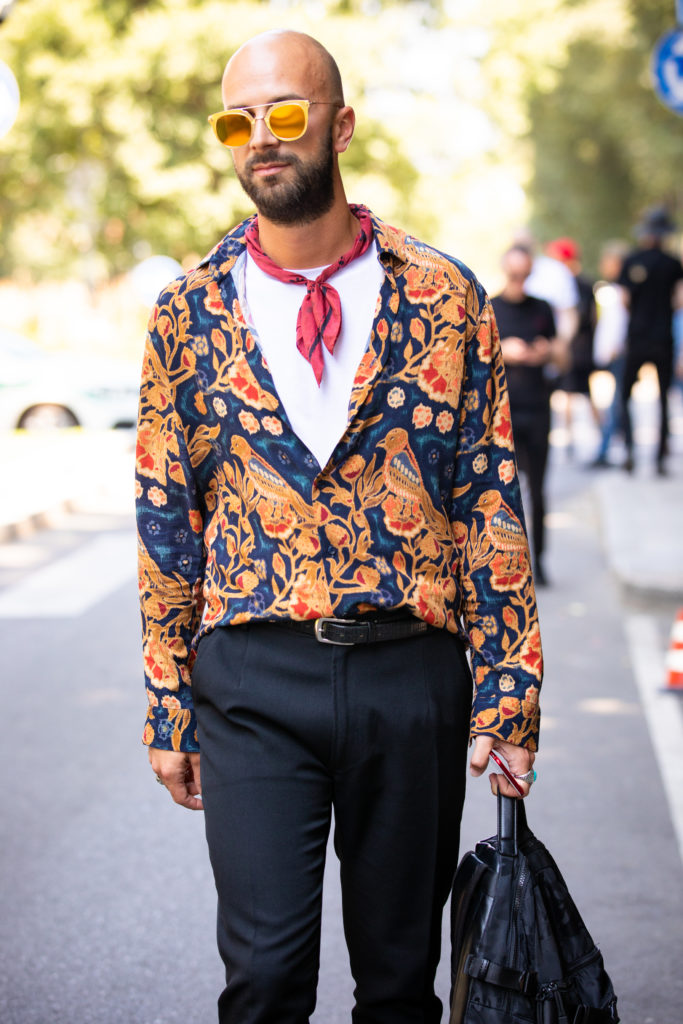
{"points": [[316, 244]]}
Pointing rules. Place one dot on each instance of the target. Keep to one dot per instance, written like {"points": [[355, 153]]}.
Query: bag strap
{"points": [[505, 977], [593, 1015], [508, 814], [462, 907]]}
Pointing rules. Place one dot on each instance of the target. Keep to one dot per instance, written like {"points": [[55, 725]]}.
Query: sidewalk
{"points": [[641, 521], [640, 513]]}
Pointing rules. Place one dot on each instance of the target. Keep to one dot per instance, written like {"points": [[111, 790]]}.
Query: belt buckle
{"points": [[319, 623]]}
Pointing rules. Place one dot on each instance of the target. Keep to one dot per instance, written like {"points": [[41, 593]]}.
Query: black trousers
{"points": [[531, 431], [289, 730], [663, 363]]}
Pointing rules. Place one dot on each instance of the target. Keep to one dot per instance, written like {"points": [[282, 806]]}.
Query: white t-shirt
{"points": [[552, 281], [319, 415], [609, 339]]}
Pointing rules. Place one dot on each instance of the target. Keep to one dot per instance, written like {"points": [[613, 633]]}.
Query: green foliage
{"points": [[604, 147]]}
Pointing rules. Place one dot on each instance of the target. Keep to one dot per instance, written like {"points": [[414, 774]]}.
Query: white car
{"points": [[42, 390]]}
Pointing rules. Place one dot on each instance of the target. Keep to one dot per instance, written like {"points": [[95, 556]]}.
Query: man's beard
{"points": [[307, 197]]}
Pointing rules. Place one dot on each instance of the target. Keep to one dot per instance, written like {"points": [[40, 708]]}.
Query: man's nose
{"points": [[261, 135]]}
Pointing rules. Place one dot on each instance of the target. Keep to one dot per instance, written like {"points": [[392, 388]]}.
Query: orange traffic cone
{"points": [[674, 659]]}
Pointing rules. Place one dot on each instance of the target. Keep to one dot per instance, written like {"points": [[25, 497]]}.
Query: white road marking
{"points": [[71, 585], [662, 711]]}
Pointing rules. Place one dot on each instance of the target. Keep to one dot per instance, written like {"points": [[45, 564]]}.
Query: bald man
{"points": [[329, 520]]}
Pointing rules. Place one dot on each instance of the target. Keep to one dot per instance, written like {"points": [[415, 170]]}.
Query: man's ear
{"points": [[342, 130]]}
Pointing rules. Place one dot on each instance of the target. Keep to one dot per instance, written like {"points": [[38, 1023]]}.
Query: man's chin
{"points": [[268, 191], [290, 202], [279, 212], [280, 206], [286, 217], [260, 181]]}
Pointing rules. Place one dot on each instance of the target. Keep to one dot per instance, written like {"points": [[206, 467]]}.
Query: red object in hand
{"points": [[507, 773]]}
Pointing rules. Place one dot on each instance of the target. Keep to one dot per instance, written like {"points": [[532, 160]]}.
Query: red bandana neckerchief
{"points": [[320, 315]]}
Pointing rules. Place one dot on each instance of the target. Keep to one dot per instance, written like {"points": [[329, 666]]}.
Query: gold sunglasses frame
{"points": [[213, 119]]}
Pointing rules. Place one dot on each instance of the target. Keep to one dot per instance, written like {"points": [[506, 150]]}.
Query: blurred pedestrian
{"points": [[551, 280], [327, 505], [609, 341], [527, 338], [652, 280], [575, 381]]}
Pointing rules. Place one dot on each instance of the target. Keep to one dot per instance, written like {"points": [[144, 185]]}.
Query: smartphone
{"points": [[506, 772]]}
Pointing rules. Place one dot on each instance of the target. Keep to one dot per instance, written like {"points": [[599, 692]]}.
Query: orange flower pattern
{"points": [[419, 508]]}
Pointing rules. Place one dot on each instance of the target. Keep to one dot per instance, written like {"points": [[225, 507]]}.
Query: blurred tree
{"points": [[603, 146]]}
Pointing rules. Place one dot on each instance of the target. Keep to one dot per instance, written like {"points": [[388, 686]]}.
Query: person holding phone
{"points": [[334, 573]]}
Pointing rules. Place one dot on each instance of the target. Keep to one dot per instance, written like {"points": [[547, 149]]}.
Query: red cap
{"points": [[563, 249]]}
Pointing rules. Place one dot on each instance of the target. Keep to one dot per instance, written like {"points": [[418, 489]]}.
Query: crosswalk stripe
{"points": [[71, 585]]}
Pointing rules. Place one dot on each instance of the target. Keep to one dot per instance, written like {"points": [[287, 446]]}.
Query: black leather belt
{"points": [[346, 632]]}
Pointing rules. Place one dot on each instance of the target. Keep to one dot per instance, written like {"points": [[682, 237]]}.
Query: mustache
{"points": [[280, 161]]}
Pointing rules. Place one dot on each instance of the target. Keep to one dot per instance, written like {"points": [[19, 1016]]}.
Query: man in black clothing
{"points": [[527, 332], [652, 280]]}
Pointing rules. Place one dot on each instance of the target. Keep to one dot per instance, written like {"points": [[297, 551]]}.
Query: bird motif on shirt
{"points": [[502, 526], [281, 501], [401, 472]]}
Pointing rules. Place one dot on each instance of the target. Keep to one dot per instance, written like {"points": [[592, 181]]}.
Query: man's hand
{"points": [[539, 352], [514, 350], [180, 774], [519, 759]]}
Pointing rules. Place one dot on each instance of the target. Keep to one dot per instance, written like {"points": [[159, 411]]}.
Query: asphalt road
{"points": [[107, 898]]}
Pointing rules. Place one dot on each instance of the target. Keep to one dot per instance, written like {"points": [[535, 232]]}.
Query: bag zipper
{"points": [[516, 904], [551, 990], [587, 958]]}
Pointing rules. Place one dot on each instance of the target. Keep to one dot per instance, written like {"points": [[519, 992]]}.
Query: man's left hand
{"points": [[519, 759]]}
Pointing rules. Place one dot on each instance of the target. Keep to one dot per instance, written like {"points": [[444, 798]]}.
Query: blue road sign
{"points": [[667, 70]]}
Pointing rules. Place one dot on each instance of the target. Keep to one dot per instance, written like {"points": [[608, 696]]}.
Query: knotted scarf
{"points": [[320, 316]]}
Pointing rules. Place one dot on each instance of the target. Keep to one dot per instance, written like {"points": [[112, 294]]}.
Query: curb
{"points": [[641, 535], [52, 475], [32, 522]]}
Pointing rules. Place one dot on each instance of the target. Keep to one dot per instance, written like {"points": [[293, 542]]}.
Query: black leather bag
{"points": [[520, 950]]}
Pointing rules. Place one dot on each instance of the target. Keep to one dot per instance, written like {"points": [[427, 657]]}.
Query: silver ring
{"points": [[160, 780], [530, 777]]}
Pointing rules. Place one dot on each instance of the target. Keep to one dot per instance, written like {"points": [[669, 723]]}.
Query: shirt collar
{"points": [[392, 245]]}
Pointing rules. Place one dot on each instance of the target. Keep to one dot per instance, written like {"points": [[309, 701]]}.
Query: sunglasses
{"points": [[287, 121]]}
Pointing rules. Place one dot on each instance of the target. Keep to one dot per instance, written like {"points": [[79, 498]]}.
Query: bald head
{"points": [[277, 59]]}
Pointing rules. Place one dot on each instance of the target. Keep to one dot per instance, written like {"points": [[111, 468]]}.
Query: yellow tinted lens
{"points": [[233, 129], [287, 121]]}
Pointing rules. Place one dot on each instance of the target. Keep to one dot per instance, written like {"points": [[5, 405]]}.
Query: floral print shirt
{"points": [[418, 507]]}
